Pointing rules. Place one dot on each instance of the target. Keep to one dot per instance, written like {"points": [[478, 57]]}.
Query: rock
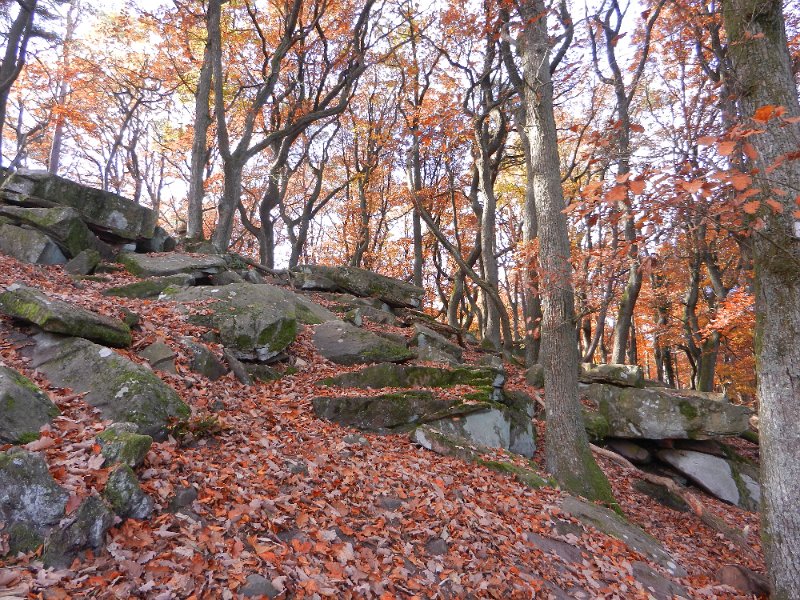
{"points": [[30, 500], [661, 494], [252, 276], [238, 368], [130, 318], [62, 224], [406, 376], [184, 498], [111, 216], [160, 356], [24, 408], [255, 322], [660, 413], [151, 288], [743, 580], [161, 241], [357, 315], [346, 344], [633, 452], [120, 443], [84, 263], [85, 529], [343, 303], [735, 483], [56, 316], [436, 546], [204, 361], [535, 375], [259, 372], [359, 282], [30, 246], [258, 586], [200, 247], [386, 412], [494, 427], [612, 524], [125, 496], [225, 278], [121, 389], [621, 375], [434, 346], [149, 265], [657, 587]]}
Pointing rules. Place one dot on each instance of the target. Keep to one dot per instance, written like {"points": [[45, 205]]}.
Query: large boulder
{"points": [[56, 316], [612, 524], [29, 245], [63, 224], [24, 408], [152, 287], [731, 481], [110, 215], [434, 346], [346, 344], [660, 413], [359, 282], [30, 500], [163, 265], [496, 426], [387, 412], [255, 322], [405, 376], [121, 389], [621, 375]]}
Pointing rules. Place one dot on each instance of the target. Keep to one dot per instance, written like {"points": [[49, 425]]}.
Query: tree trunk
{"points": [[763, 76], [568, 455], [202, 121]]}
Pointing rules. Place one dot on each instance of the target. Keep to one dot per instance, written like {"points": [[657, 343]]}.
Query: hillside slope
{"points": [[260, 496]]}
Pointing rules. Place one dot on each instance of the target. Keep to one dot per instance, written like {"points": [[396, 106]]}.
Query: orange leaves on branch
{"points": [[767, 112], [617, 193], [751, 207], [726, 148], [693, 186], [637, 186]]}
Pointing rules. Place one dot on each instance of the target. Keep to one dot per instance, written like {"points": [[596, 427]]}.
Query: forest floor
{"points": [[319, 511]]}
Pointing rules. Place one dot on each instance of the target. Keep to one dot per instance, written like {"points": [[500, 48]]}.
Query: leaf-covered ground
{"points": [[322, 511]]}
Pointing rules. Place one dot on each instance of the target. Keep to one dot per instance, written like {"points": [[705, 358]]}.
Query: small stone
{"points": [[183, 498], [160, 356], [390, 503], [258, 585], [84, 263], [125, 495], [120, 443], [436, 547]]}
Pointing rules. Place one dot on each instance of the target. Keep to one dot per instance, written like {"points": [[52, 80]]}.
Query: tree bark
{"points": [[763, 76], [568, 455], [202, 121]]}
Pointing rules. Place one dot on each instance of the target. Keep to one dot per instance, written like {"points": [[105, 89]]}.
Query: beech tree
{"points": [[766, 95]]}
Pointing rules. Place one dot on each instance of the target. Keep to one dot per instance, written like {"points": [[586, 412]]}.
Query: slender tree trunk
{"points": [[763, 76], [568, 455], [202, 121]]}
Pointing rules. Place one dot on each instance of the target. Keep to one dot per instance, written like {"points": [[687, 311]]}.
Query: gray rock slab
{"points": [[346, 344], [24, 408], [162, 265], [56, 316], [359, 282], [62, 224], [122, 390], [30, 246]]}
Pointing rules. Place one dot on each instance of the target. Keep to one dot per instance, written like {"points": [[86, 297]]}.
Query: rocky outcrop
{"points": [[62, 224], [255, 322], [660, 413], [30, 500], [387, 412], [24, 408], [174, 263], [152, 287], [386, 375], [610, 523], [346, 344], [434, 346], [109, 215], [121, 389], [29, 245], [731, 481], [620, 375], [56, 316], [358, 282]]}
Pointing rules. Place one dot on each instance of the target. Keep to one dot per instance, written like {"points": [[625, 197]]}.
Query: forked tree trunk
{"points": [[568, 455], [763, 76]]}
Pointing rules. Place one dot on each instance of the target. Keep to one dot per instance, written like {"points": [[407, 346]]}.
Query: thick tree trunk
{"points": [[568, 455], [202, 120], [763, 76]]}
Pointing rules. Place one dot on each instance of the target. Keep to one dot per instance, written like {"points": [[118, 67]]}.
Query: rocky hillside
{"points": [[185, 424]]}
